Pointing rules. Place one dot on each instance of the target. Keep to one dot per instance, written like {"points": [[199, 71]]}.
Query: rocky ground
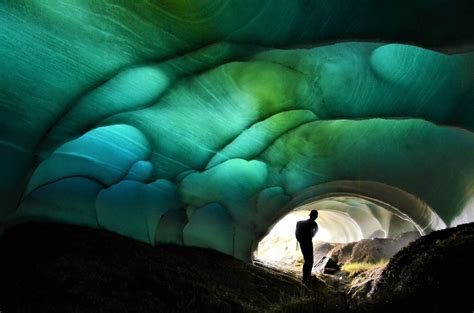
{"points": [[62, 268], [371, 250]]}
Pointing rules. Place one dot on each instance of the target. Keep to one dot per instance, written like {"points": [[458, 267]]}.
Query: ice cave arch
{"points": [[349, 211], [397, 201]]}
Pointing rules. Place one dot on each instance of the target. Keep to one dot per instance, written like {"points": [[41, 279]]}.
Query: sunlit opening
{"points": [[340, 220]]}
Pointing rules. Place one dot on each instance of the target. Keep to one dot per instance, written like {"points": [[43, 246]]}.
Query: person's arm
{"points": [[314, 229]]}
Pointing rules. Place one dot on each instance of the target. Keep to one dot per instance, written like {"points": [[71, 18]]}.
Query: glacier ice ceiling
{"points": [[202, 123]]}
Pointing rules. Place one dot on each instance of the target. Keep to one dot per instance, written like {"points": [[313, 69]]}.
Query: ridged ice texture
{"points": [[202, 123]]}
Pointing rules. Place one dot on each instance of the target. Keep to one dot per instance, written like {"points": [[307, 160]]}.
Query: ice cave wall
{"points": [[203, 123]]}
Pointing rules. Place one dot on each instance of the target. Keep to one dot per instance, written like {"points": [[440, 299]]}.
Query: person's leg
{"points": [[307, 250], [309, 260]]}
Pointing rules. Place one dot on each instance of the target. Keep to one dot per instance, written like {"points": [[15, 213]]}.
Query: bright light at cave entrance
{"points": [[342, 219], [280, 244], [286, 226]]}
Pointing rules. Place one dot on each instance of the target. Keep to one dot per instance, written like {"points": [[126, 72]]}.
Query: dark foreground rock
{"points": [[432, 274], [62, 268]]}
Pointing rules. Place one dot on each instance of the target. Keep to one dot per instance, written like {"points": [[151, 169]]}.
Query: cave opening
{"points": [[343, 220]]}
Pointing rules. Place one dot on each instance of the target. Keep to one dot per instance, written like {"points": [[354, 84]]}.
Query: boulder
{"points": [[326, 265], [322, 249]]}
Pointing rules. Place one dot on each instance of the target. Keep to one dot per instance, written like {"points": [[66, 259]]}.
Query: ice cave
{"points": [[202, 124]]}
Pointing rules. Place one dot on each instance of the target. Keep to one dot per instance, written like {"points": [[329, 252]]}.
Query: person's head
{"points": [[313, 215]]}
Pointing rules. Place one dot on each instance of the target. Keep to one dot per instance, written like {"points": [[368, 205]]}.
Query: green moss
{"points": [[357, 267]]}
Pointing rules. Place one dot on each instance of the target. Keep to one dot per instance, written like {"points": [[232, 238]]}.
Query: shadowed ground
{"points": [[62, 268]]}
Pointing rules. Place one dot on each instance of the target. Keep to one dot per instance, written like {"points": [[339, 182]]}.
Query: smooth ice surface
{"points": [[203, 123]]}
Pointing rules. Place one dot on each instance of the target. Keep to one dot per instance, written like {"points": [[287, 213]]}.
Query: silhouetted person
{"points": [[305, 231]]}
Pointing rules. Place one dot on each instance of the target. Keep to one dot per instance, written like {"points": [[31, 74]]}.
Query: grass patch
{"points": [[357, 267]]}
